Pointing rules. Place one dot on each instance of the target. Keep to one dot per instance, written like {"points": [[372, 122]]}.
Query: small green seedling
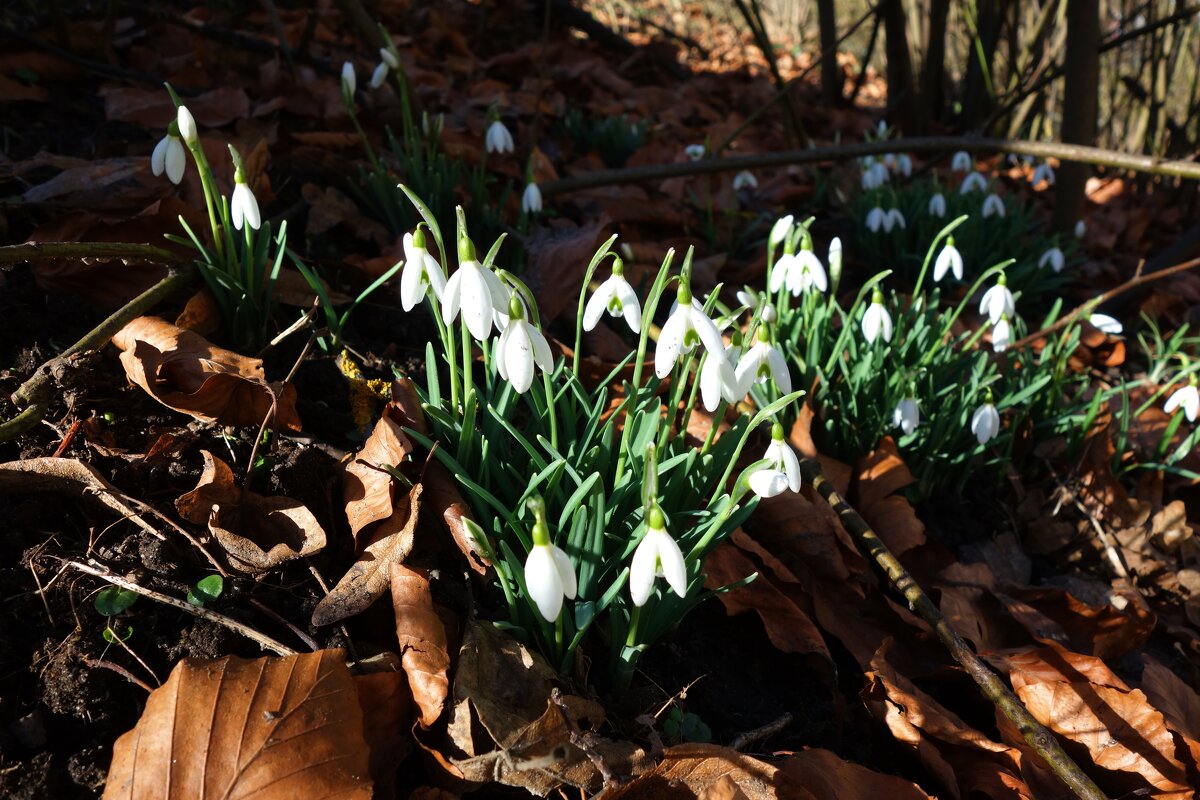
{"points": [[119, 634], [684, 726], [111, 601], [206, 590]]}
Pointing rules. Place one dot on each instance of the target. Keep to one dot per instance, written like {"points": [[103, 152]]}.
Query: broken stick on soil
{"points": [[1037, 735]]}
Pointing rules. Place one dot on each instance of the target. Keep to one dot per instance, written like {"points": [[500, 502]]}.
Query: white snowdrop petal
{"points": [[642, 569], [670, 343], [566, 572], [543, 582], [673, 567], [158, 159]]}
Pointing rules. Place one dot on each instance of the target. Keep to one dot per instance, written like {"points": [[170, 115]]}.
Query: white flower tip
{"points": [[187, 125]]}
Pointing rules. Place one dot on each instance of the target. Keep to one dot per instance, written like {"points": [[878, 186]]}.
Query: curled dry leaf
{"points": [[368, 488], [185, 372], [258, 533], [423, 647], [690, 771], [368, 578], [828, 777], [387, 716], [880, 476], [269, 728], [443, 496]]}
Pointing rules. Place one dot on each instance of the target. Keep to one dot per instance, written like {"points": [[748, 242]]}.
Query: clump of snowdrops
{"points": [[592, 504]]}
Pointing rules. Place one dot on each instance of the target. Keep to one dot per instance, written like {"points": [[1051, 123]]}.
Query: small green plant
{"points": [[684, 726], [206, 591], [112, 601], [614, 138]]}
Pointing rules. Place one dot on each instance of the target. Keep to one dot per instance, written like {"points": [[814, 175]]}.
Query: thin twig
{"points": [[744, 740], [850, 151], [1037, 735], [117, 668], [264, 641]]}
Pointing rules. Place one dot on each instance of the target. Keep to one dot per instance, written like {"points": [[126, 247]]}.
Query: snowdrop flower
{"points": [[1054, 257], [549, 574], [893, 218], [1186, 397], [949, 260], [799, 272], [783, 461], [762, 362], [1110, 325], [616, 297], [961, 162], [656, 555], [520, 348], [1080, 226], [992, 204], [906, 416], [715, 385], [1044, 172], [747, 297], [388, 61], [904, 164], [242, 206], [937, 205], [744, 180], [1001, 335], [835, 261], [780, 230], [997, 301], [768, 313], [877, 321], [881, 128], [349, 79], [695, 152], [169, 156], [421, 272], [531, 200], [975, 182], [684, 329], [874, 176], [876, 218], [187, 125], [476, 291], [498, 139], [985, 422]]}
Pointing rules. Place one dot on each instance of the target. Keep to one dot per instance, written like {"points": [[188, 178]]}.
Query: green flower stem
{"points": [[468, 377], [711, 436], [946, 231], [551, 402]]}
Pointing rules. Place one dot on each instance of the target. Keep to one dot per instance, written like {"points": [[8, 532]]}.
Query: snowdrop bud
{"points": [[1110, 325], [985, 422], [187, 125], [747, 297], [835, 262], [907, 415], [1080, 229], [1054, 257], [744, 180], [780, 230], [349, 79], [389, 58], [937, 205], [379, 75], [768, 313], [531, 200]]}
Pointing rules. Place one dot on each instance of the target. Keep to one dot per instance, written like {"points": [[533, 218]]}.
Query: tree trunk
{"points": [[977, 98], [1080, 106], [933, 70], [901, 105], [831, 73]]}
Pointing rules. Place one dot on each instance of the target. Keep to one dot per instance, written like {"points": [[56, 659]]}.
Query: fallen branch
{"points": [[1038, 736], [33, 396], [847, 152]]}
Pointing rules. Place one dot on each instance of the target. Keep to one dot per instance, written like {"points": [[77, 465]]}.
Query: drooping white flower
{"points": [[877, 321], [747, 297], [904, 164], [379, 75], [874, 176], [760, 363], [992, 204], [975, 182], [783, 460], [768, 482], [187, 125], [685, 328], [985, 423], [657, 554], [961, 162], [1187, 398], [520, 348], [498, 139], [949, 260], [169, 156], [799, 272], [714, 381], [549, 577], [421, 272], [1001, 335], [937, 205], [907, 415], [616, 297], [744, 180], [768, 313], [389, 58], [531, 200], [242, 206], [1110, 325], [780, 230], [893, 218], [349, 79], [474, 290], [1054, 257], [876, 218], [998, 301], [1080, 229], [1044, 172], [694, 152]]}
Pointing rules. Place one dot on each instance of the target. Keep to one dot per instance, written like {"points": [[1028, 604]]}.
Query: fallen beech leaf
{"points": [[879, 476], [184, 372], [423, 648], [367, 579], [689, 771], [1178, 702], [556, 255], [443, 496], [202, 314], [258, 533], [387, 715], [828, 777], [152, 108], [367, 486], [268, 728]]}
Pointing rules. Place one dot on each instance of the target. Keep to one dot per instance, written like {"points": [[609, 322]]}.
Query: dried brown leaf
{"points": [[258, 533], [880, 476], [367, 485], [368, 578], [689, 771], [1178, 702], [828, 777], [442, 495], [387, 716], [423, 647], [184, 372], [268, 728]]}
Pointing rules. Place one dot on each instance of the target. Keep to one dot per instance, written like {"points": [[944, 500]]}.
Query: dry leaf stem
{"points": [[1037, 735], [33, 396], [846, 152]]}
